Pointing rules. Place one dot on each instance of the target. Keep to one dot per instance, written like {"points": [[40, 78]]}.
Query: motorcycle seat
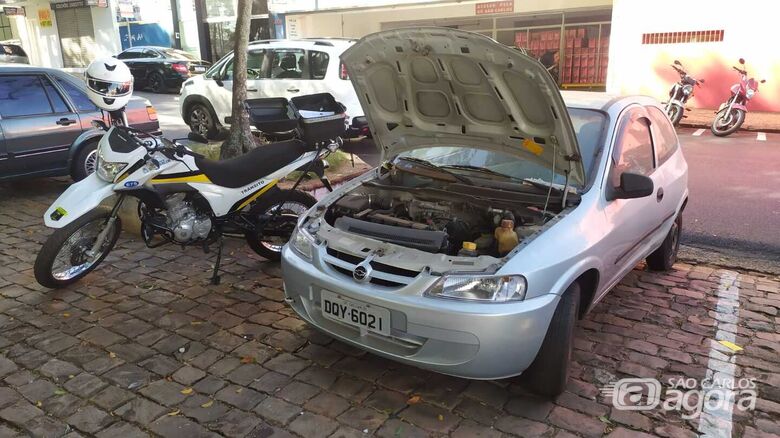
{"points": [[255, 164]]}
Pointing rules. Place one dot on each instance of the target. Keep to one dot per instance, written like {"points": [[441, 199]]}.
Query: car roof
{"points": [[603, 101], [308, 42]]}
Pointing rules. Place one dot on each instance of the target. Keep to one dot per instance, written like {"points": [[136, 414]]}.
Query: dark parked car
{"points": [[13, 54], [46, 123], [161, 68]]}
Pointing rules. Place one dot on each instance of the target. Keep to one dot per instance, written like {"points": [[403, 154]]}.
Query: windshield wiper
{"points": [[430, 165], [479, 169]]}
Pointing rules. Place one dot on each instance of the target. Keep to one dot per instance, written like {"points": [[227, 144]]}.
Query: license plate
{"points": [[199, 69], [356, 313]]}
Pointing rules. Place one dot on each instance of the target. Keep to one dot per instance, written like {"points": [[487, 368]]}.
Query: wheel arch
{"points": [[589, 284], [191, 100], [86, 137]]}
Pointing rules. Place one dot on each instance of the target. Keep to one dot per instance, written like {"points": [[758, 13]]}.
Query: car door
{"points": [[131, 58], [291, 75], [221, 91], [671, 167], [38, 125], [633, 224]]}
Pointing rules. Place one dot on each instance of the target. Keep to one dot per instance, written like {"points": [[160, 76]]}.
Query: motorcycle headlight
{"points": [[484, 288], [687, 89], [107, 170], [301, 243], [750, 93]]}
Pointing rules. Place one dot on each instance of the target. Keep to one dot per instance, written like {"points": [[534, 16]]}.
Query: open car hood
{"points": [[427, 87]]}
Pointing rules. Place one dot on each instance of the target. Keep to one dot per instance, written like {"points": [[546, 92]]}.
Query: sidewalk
{"points": [[755, 121]]}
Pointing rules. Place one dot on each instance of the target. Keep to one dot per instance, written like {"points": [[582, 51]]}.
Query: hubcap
{"points": [[675, 241], [74, 256], [90, 164], [199, 121]]}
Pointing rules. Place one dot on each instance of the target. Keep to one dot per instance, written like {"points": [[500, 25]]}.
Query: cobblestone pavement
{"points": [[145, 346]]}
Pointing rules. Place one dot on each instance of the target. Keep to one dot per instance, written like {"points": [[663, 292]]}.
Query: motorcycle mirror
{"points": [[197, 138], [763, 81], [701, 80], [676, 62], [742, 61]]}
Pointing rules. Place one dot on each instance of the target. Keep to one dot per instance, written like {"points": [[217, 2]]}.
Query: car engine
{"points": [[431, 220]]}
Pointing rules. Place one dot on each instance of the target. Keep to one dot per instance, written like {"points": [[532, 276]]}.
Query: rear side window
{"points": [[665, 138], [23, 95], [128, 54], [633, 152], [289, 64], [55, 98], [318, 64], [256, 66], [77, 96], [12, 50]]}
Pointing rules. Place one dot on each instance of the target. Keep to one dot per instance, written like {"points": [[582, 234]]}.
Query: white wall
{"points": [[41, 43], [106, 30]]}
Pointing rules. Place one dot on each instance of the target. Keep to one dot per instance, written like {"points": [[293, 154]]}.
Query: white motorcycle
{"points": [[185, 198]]}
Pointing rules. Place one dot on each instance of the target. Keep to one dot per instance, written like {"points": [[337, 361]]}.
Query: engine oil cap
{"points": [[470, 246]]}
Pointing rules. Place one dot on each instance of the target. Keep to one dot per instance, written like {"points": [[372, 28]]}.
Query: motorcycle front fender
{"points": [[77, 200], [739, 106]]}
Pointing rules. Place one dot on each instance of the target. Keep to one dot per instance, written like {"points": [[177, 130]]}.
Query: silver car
{"points": [[13, 54], [503, 211]]}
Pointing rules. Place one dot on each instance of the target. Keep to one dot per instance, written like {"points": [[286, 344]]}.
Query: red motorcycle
{"points": [[731, 113]]}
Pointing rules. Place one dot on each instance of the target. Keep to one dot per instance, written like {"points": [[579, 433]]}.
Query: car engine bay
{"points": [[443, 217]]}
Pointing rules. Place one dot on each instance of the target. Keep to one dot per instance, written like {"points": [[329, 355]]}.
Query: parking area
{"points": [[146, 346]]}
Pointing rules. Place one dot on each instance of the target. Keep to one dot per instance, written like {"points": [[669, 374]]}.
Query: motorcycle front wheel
{"points": [[268, 242], [675, 114], [726, 123], [66, 256]]}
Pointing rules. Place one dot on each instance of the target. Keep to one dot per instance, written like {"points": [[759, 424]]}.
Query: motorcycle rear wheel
{"points": [[721, 129], [64, 258], [293, 204]]}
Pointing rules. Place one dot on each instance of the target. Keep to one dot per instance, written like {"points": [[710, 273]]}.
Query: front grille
{"points": [[382, 274]]}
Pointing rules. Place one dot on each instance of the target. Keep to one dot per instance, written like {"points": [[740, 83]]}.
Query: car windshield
{"points": [[178, 54], [588, 125]]}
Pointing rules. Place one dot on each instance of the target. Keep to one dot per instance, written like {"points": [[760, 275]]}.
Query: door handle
{"points": [[293, 90], [251, 90], [65, 121], [659, 195]]}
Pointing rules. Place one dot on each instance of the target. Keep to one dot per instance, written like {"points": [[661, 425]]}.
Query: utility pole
{"points": [[175, 18]]}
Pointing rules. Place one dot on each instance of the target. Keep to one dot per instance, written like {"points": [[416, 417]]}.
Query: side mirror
{"points": [[99, 124], [197, 138], [701, 80], [632, 186], [676, 62], [742, 61]]}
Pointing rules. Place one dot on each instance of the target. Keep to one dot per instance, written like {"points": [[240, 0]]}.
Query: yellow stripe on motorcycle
{"points": [[257, 194], [183, 179]]}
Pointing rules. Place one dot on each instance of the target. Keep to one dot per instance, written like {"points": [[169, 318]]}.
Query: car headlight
{"points": [[486, 288], [106, 170], [750, 93], [301, 243]]}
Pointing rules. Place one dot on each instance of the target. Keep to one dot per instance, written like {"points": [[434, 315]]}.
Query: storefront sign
{"points": [[44, 16], [292, 28], [494, 7], [14, 10], [79, 4]]}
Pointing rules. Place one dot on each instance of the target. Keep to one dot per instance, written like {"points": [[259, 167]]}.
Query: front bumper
{"points": [[472, 340]]}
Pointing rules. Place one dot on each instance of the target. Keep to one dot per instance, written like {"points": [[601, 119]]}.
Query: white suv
{"points": [[276, 68]]}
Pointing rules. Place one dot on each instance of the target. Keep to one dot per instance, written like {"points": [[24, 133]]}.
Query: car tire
{"points": [[202, 120], [663, 258], [155, 82], [549, 373], [85, 161]]}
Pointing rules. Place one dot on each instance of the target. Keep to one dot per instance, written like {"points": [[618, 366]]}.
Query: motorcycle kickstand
{"points": [[215, 278]]}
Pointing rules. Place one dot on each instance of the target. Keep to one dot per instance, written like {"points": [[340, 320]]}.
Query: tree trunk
{"points": [[240, 139]]}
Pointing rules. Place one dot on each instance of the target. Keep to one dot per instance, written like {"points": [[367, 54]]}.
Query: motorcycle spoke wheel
{"points": [[73, 257], [287, 213]]}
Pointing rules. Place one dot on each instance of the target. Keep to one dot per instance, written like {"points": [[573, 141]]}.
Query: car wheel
{"points": [[155, 82], [202, 121], [549, 372], [663, 258], [85, 161]]}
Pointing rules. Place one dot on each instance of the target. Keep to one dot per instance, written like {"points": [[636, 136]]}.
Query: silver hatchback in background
{"points": [[502, 211], [13, 54]]}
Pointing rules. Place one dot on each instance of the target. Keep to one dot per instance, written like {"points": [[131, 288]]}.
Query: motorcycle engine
{"points": [[186, 223]]}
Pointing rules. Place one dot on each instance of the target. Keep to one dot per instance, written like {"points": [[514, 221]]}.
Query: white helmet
{"points": [[109, 83]]}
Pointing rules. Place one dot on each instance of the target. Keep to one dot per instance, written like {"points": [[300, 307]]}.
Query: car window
{"points": [[128, 54], [289, 64], [318, 64], [12, 50], [150, 54], [665, 138], [256, 65], [23, 95], [633, 150], [178, 54], [77, 96], [57, 102]]}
